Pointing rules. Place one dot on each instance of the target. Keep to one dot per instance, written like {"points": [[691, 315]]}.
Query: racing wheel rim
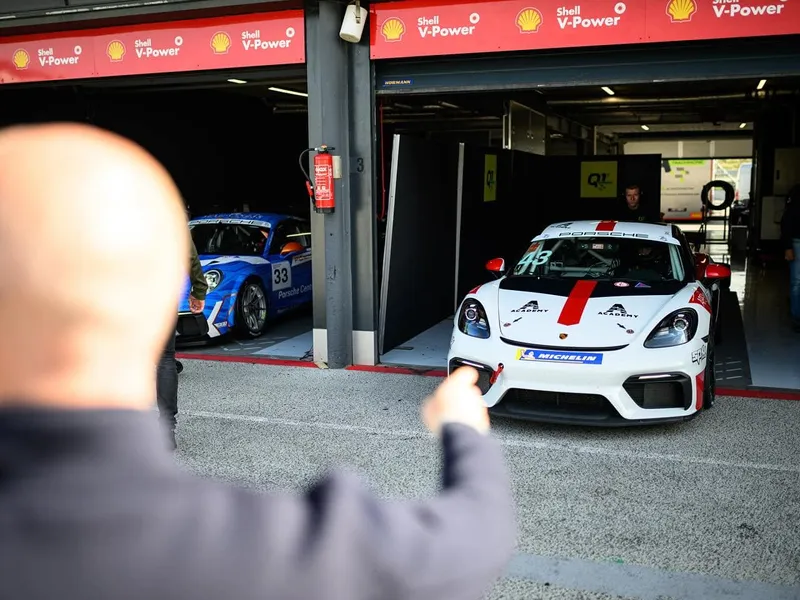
{"points": [[254, 308]]}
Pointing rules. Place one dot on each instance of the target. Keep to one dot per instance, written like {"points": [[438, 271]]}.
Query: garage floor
{"points": [[704, 509], [287, 338]]}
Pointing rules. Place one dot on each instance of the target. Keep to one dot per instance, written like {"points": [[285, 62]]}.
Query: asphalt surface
{"points": [[706, 509]]}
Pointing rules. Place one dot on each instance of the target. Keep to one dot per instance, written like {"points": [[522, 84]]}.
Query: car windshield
{"points": [[602, 258], [229, 239]]}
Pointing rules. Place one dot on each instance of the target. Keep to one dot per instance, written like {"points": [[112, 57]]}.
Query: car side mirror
{"points": [[718, 271], [496, 265], [700, 263]]}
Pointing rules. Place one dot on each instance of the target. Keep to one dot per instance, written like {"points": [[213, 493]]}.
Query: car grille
{"points": [[533, 403], [669, 391]]}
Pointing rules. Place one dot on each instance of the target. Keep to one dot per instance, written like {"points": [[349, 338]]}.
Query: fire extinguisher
{"points": [[322, 191]]}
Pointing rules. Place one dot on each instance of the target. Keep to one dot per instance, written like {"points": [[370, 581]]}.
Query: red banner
{"points": [[198, 45], [429, 28]]}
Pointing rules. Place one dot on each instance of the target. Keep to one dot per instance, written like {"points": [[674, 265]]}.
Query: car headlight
{"points": [[213, 278], [472, 320], [678, 328]]}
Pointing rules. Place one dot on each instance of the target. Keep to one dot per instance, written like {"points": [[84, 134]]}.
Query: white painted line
{"points": [[644, 583], [512, 443]]}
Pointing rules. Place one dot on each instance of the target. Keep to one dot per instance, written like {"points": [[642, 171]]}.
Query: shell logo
{"points": [[115, 51], [21, 59], [681, 11], [220, 42], [529, 20], [393, 29]]}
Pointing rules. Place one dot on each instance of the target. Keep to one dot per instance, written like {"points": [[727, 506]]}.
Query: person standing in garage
{"points": [[790, 236], [93, 504], [167, 370], [633, 209]]}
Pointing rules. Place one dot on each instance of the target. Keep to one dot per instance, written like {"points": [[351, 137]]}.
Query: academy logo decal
{"points": [[530, 307], [617, 310], [583, 358], [681, 11]]}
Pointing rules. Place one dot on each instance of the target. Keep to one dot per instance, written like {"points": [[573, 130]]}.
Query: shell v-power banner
{"points": [[430, 28], [264, 39]]}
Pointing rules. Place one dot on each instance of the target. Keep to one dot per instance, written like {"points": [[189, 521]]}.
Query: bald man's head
{"points": [[95, 246]]}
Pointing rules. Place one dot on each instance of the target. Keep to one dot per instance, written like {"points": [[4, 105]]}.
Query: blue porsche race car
{"points": [[257, 265]]}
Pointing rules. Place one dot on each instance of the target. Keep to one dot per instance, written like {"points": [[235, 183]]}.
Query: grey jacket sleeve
{"points": [[340, 542]]}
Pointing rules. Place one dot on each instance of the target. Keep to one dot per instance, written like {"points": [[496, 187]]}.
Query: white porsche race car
{"points": [[599, 323]]}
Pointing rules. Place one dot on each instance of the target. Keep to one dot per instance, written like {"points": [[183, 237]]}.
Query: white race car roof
{"points": [[657, 232]]}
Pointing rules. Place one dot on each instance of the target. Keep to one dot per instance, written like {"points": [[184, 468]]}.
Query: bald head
{"points": [[95, 254]]}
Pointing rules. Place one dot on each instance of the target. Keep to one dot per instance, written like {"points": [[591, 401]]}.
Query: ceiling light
{"points": [[448, 105], [431, 107], [290, 92], [761, 84], [607, 90], [645, 127], [406, 106], [236, 81], [743, 125]]}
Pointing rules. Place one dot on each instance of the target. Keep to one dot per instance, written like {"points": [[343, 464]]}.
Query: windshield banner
{"points": [[265, 39], [435, 28]]}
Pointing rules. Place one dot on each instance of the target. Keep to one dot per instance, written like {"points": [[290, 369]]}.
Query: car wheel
{"points": [[710, 379], [179, 366], [251, 309]]}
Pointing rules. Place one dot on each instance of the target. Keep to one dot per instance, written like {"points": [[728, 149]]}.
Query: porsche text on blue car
{"points": [[257, 266]]}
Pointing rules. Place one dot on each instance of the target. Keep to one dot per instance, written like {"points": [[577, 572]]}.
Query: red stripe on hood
{"points": [[606, 226], [576, 302]]}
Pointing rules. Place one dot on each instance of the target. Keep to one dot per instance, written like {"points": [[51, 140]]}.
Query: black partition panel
{"points": [[498, 205], [419, 259]]}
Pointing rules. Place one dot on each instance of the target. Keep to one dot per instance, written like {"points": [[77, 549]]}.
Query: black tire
{"points": [[710, 383], [251, 309], [179, 366], [730, 194]]}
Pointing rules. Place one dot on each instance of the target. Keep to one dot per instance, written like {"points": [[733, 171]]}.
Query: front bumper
{"points": [[632, 386], [217, 318]]}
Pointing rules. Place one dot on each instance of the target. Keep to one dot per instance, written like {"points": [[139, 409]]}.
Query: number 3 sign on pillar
{"points": [[281, 276]]}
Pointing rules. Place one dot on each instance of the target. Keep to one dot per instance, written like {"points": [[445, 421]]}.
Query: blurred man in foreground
{"points": [[92, 504]]}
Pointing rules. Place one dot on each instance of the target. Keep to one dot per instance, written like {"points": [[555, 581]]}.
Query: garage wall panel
{"points": [[419, 259]]}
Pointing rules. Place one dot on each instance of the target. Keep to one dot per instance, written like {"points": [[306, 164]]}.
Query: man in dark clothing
{"points": [[790, 236], [632, 209], [167, 370], [92, 503]]}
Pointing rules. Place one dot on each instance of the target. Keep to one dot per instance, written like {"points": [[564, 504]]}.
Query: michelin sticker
{"points": [[281, 276], [577, 358]]}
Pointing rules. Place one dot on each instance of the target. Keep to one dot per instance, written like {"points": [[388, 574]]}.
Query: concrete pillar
{"points": [[340, 114]]}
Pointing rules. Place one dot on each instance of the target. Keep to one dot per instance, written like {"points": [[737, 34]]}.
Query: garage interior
{"points": [[742, 131], [230, 139]]}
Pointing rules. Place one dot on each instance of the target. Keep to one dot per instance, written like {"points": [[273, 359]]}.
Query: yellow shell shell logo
{"points": [[529, 20], [21, 59], [116, 51], [681, 11], [393, 29], [220, 43]]}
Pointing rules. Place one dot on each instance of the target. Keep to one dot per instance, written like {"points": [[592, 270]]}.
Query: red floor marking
{"points": [[606, 226], [761, 394], [576, 302], [275, 362], [397, 370]]}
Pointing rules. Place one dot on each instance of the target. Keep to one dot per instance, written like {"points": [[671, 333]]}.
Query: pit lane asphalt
{"points": [[705, 509]]}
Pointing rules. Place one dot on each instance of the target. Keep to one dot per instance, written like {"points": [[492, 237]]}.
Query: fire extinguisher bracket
{"points": [[337, 167]]}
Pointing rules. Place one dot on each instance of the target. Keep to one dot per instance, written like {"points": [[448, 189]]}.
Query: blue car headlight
{"points": [[472, 319], [677, 328], [213, 278]]}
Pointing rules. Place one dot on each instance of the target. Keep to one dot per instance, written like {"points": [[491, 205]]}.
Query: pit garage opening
{"points": [[475, 175], [230, 138]]}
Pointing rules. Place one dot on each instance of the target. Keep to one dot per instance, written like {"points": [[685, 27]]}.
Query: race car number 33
{"points": [[582, 358], [281, 276]]}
